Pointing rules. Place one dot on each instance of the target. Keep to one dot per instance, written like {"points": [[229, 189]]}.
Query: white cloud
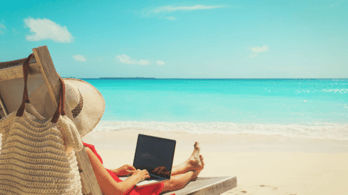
{"points": [[143, 62], [185, 8], [43, 29], [336, 4], [159, 62], [253, 55], [124, 59], [79, 58], [259, 49], [2, 26], [162, 9], [171, 18]]}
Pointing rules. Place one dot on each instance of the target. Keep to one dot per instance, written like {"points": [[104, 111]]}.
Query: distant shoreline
{"points": [[153, 78]]}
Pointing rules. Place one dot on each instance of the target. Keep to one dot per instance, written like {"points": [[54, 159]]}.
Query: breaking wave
{"points": [[316, 130]]}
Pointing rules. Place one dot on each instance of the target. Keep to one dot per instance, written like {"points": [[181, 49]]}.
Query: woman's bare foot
{"points": [[198, 168], [195, 161]]}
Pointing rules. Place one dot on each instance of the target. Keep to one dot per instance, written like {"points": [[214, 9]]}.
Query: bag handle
{"points": [[61, 103], [60, 108]]}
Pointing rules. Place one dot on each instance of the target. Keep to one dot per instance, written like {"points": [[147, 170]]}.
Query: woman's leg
{"points": [[178, 181], [185, 172], [194, 161]]}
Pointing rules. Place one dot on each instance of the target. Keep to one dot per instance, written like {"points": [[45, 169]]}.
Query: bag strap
{"points": [[60, 109], [61, 103], [25, 93]]}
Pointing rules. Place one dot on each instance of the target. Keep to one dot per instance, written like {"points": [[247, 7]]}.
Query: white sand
{"points": [[263, 164]]}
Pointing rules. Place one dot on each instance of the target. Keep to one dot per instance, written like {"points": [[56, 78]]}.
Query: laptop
{"points": [[156, 155]]}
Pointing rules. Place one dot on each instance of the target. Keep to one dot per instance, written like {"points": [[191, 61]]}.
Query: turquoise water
{"points": [[227, 106]]}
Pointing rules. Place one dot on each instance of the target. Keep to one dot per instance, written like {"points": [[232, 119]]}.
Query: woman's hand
{"points": [[124, 170], [141, 174]]}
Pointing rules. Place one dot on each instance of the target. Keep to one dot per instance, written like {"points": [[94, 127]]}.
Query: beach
{"points": [[277, 136], [261, 85], [263, 164]]}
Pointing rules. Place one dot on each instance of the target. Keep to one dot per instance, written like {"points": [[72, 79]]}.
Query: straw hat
{"points": [[84, 100]]}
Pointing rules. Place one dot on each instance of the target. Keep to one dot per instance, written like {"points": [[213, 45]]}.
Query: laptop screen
{"points": [[155, 155]]}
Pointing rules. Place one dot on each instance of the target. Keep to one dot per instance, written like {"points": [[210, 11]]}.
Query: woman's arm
{"points": [[107, 184]]}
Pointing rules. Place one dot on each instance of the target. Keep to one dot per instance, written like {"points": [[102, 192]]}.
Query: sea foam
{"points": [[316, 130]]}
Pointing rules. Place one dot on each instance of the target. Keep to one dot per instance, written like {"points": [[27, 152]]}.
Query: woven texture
{"points": [[35, 156]]}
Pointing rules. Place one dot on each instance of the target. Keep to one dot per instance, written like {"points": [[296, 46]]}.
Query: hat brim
{"points": [[93, 106], [92, 110]]}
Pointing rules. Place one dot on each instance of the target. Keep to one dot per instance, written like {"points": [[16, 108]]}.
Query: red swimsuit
{"points": [[154, 189]]}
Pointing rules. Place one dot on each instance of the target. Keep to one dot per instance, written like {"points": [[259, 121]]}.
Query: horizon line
{"points": [[105, 78]]}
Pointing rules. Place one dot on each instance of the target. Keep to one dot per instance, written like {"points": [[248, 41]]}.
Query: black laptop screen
{"points": [[155, 155]]}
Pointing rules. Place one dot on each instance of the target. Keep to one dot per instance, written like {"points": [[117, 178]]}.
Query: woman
{"points": [[110, 184]]}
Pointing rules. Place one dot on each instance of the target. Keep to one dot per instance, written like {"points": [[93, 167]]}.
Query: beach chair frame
{"points": [[44, 66]]}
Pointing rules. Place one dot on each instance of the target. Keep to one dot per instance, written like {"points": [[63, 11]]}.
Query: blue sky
{"points": [[181, 39]]}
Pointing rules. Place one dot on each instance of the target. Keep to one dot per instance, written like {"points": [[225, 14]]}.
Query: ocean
{"points": [[310, 108]]}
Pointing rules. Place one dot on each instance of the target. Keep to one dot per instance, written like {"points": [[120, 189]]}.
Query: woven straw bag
{"points": [[36, 155]]}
